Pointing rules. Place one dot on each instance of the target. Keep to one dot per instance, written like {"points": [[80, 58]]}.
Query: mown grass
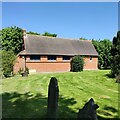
{"points": [[26, 97]]}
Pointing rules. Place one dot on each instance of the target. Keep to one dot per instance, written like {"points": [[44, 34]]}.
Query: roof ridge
{"points": [[59, 38]]}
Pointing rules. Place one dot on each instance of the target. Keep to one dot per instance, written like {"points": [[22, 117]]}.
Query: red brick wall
{"points": [[90, 64], [49, 66], [53, 66], [18, 64]]}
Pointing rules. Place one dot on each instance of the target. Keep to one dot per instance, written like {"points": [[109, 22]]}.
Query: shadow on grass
{"points": [[111, 109], [102, 118], [108, 111], [109, 75], [64, 110], [28, 105], [15, 105]]}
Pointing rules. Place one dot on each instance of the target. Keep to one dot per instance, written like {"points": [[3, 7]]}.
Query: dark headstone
{"points": [[88, 112], [53, 94]]}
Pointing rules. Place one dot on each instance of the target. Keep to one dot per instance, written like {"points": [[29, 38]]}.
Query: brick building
{"points": [[50, 54]]}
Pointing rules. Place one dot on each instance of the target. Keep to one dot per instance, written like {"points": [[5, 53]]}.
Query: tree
{"points": [[12, 39], [103, 47], [77, 64], [115, 51], [49, 34], [8, 59], [44, 34], [33, 33], [82, 38]]}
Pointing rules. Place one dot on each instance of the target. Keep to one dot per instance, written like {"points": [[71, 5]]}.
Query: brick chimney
{"points": [[24, 34], [24, 37]]}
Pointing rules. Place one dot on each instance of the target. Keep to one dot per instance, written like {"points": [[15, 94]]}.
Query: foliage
{"points": [[27, 70], [49, 34], [103, 47], [82, 38], [8, 59], [75, 88], [118, 78], [33, 33], [12, 39], [45, 34], [77, 64], [21, 70], [115, 67]]}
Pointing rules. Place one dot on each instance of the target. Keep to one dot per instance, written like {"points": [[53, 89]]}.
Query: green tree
{"points": [[82, 38], [115, 51], [103, 47], [8, 59], [33, 33], [49, 34], [77, 64], [12, 39]]}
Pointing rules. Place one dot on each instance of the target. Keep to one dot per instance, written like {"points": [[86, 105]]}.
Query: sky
{"points": [[90, 20]]}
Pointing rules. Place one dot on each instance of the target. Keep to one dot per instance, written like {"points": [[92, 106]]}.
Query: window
{"points": [[66, 57], [90, 58], [34, 57], [51, 58]]}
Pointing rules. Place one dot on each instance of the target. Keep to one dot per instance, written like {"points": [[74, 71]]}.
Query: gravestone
{"points": [[88, 112], [53, 94]]}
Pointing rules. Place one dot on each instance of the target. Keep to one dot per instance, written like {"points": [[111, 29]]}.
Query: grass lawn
{"points": [[26, 97]]}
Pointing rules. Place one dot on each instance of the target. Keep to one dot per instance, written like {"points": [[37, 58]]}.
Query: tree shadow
{"points": [[108, 111], [111, 109], [102, 118], [64, 109], [28, 105], [109, 75], [34, 106]]}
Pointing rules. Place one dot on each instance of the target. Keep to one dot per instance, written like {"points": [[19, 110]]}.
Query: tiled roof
{"points": [[42, 45]]}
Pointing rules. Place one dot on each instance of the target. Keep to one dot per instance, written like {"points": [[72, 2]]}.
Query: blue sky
{"points": [[91, 20]]}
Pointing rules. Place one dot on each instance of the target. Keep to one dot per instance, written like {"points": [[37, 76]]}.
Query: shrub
{"points": [[21, 70], [77, 64], [118, 78], [8, 59], [27, 70]]}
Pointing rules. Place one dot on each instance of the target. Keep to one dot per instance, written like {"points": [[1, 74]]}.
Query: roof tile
{"points": [[36, 44]]}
